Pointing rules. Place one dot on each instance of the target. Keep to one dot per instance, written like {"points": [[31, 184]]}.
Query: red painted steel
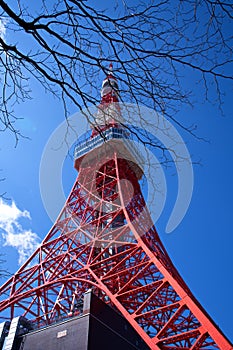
{"points": [[104, 239]]}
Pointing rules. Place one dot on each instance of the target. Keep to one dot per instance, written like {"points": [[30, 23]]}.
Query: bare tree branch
{"points": [[66, 44]]}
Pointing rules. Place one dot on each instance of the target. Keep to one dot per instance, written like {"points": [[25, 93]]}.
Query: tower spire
{"points": [[110, 67], [110, 89], [109, 112]]}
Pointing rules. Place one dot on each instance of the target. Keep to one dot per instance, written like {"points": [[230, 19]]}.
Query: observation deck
{"points": [[113, 139]]}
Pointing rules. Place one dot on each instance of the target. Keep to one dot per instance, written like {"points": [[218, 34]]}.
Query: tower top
{"points": [[110, 68], [109, 113], [110, 90]]}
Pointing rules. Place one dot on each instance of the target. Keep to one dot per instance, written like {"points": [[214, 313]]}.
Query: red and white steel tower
{"points": [[101, 241]]}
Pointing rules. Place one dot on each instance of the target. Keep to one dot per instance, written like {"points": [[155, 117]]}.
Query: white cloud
{"points": [[2, 28], [13, 233]]}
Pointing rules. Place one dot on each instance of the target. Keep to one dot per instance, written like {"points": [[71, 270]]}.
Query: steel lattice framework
{"points": [[104, 239]]}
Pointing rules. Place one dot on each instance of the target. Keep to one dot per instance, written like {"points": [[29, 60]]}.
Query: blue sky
{"points": [[200, 247]]}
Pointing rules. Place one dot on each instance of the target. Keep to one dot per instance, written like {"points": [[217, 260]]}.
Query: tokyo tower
{"points": [[104, 243]]}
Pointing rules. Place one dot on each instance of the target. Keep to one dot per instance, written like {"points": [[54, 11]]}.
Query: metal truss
{"points": [[104, 239]]}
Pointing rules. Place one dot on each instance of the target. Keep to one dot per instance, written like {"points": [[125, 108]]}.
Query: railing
{"points": [[44, 323], [87, 145]]}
